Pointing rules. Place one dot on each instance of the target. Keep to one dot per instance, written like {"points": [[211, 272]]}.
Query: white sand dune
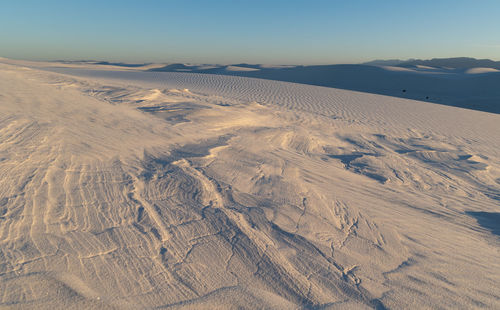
{"points": [[131, 190], [465, 85], [481, 70], [457, 86], [238, 68]]}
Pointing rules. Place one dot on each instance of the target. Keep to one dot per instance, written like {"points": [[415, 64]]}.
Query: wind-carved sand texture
{"points": [[133, 190]]}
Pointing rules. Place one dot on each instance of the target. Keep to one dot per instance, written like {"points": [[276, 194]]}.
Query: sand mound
{"points": [[481, 70]]}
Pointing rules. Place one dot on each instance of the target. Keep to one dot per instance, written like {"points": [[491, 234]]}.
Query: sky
{"points": [[251, 31]]}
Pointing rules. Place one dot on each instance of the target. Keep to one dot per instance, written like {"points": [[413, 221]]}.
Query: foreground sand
{"points": [[135, 190]]}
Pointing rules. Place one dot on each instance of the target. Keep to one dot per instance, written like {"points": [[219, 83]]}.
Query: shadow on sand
{"points": [[488, 220]]}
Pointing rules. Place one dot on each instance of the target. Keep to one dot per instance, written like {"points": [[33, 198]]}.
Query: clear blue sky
{"points": [[252, 31]]}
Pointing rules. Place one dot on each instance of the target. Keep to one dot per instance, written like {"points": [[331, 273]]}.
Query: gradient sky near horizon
{"points": [[252, 31]]}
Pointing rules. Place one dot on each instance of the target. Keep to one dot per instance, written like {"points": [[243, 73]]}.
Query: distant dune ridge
{"points": [[124, 188], [445, 81], [461, 82], [454, 63]]}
